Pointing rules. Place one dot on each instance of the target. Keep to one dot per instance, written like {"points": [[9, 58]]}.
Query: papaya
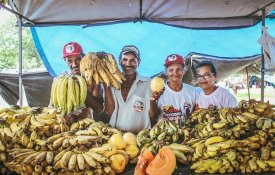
{"points": [[143, 161], [163, 164], [132, 151], [157, 84]]}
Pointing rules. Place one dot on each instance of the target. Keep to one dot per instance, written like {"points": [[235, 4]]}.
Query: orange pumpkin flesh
{"points": [[163, 164], [143, 161]]}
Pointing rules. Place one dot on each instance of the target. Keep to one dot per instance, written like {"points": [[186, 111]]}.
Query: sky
{"points": [[4, 16]]}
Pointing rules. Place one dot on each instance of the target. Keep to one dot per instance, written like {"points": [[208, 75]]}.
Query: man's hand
{"points": [[155, 95]]}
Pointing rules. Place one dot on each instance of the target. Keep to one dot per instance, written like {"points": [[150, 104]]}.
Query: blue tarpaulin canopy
{"points": [[155, 41]]}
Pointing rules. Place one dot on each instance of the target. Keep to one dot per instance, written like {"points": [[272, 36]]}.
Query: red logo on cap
{"points": [[174, 58]]}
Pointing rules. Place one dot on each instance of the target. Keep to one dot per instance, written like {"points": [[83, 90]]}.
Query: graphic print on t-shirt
{"points": [[138, 106], [172, 114]]}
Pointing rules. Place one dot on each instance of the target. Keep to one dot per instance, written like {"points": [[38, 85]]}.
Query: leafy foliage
{"points": [[9, 46]]}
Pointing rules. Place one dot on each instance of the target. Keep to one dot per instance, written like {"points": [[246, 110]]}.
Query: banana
{"points": [[180, 156], [57, 143], [98, 157], [65, 159], [267, 124], [89, 160], [219, 125], [77, 95], [61, 93], [103, 74], [72, 162], [98, 131], [200, 149], [70, 103], [215, 139], [270, 163], [49, 157], [209, 127], [40, 157], [53, 92], [207, 163], [80, 161], [83, 90], [252, 164], [103, 149], [161, 136], [35, 122], [251, 116], [261, 164], [30, 158], [215, 167], [74, 126], [58, 156], [183, 148], [197, 164], [110, 75]]}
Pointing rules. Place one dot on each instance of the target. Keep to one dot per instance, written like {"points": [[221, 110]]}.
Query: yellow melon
{"points": [[132, 151], [157, 84], [130, 138], [117, 141]]}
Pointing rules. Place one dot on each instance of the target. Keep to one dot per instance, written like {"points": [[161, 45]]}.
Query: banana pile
{"points": [[38, 141], [165, 132], [68, 93], [102, 68], [233, 139]]}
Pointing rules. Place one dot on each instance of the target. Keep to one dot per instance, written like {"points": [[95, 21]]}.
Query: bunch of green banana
{"points": [[163, 133], [68, 93], [102, 68]]}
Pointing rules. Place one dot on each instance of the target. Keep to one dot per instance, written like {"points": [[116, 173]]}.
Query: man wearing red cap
{"points": [[177, 100], [72, 54]]}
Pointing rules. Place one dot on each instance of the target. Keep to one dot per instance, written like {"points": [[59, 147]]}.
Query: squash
{"points": [[143, 161], [157, 84], [163, 164]]}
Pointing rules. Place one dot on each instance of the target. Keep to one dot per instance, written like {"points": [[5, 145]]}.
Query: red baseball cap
{"points": [[72, 48], [174, 58]]}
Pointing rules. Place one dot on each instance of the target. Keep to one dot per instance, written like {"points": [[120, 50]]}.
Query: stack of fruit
{"points": [[233, 139], [68, 93], [102, 68], [164, 133], [37, 141]]}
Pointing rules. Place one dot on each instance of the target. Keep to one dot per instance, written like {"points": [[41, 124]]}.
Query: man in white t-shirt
{"points": [[177, 100], [208, 94]]}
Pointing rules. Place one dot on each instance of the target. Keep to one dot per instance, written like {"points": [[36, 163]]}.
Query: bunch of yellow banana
{"points": [[68, 93], [260, 108], [102, 68]]}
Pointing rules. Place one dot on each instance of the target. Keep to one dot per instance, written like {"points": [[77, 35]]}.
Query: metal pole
{"points": [[20, 61], [247, 83], [262, 62]]}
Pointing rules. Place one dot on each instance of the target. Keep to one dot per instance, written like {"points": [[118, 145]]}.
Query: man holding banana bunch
{"points": [[129, 105], [72, 54]]}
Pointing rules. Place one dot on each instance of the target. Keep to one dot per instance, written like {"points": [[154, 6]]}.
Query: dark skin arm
{"points": [[94, 98], [154, 110], [108, 100]]}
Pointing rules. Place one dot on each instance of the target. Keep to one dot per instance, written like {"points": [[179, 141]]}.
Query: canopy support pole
{"points": [[262, 62], [20, 60], [247, 83]]}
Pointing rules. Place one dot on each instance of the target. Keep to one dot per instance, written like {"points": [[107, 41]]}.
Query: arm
{"points": [[108, 100], [154, 110], [94, 98]]}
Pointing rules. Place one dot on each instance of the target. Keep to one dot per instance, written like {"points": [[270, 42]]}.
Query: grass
{"points": [[269, 94]]}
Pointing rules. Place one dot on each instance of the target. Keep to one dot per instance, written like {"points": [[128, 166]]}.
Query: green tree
{"points": [[9, 47]]}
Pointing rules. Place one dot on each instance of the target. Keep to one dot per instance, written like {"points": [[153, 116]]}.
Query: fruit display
{"points": [[38, 141], [232, 139], [164, 133], [68, 93], [102, 68]]}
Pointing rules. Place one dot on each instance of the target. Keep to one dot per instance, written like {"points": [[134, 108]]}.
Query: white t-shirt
{"points": [[220, 98], [177, 106]]}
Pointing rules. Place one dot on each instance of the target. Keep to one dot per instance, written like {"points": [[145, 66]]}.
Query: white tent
{"points": [[183, 13], [186, 13]]}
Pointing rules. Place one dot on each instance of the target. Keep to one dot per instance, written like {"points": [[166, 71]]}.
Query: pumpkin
{"points": [[163, 164], [143, 161], [157, 84]]}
